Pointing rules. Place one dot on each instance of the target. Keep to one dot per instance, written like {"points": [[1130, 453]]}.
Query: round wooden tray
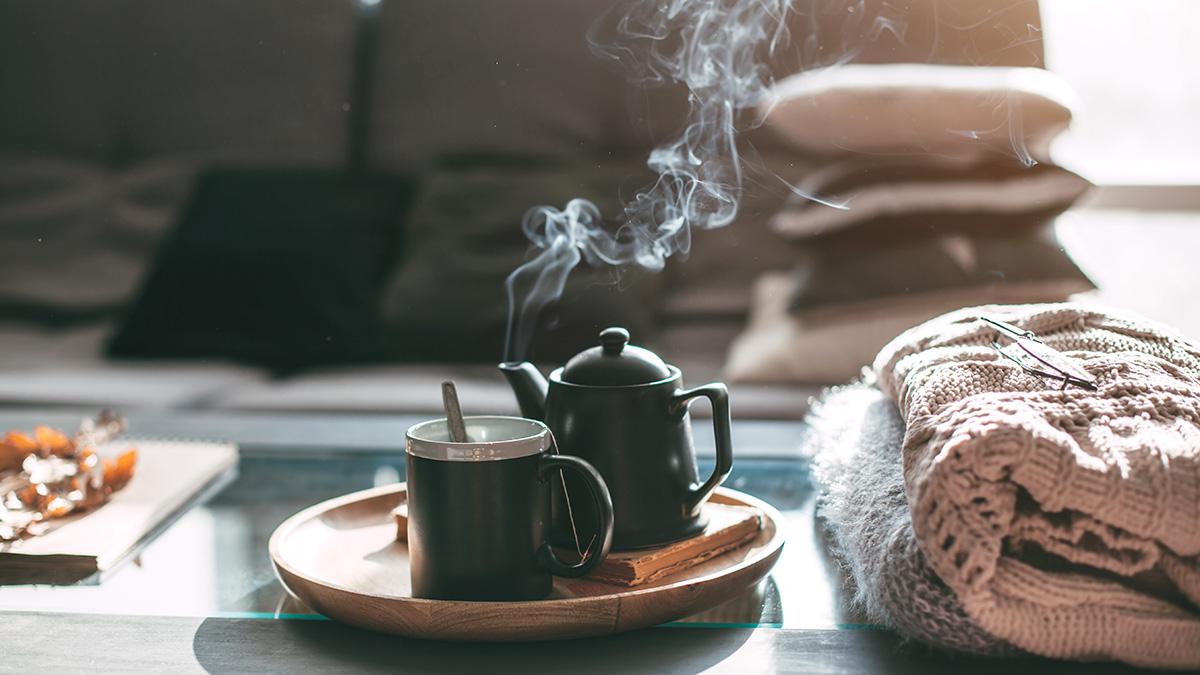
{"points": [[341, 558]]}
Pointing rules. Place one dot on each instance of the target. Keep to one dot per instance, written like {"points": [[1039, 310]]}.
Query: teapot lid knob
{"points": [[614, 340], [615, 363]]}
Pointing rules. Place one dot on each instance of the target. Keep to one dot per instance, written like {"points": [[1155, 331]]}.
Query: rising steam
{"points": [[718, 50]]}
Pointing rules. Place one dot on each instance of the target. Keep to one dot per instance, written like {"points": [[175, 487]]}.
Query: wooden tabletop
{"points": [[67, 643]]}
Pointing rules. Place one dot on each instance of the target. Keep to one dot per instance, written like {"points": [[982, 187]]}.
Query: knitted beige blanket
{"points": [[1066, 522]]}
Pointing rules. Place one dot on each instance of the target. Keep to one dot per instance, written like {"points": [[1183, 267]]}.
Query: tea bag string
{"points": [[567, 495]]}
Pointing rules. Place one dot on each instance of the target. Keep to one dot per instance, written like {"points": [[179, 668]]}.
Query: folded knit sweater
{"points": [[854, 439], [1066, 522]]}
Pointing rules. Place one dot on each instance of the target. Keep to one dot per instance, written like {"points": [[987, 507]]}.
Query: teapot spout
{"points": [[529, 386]]}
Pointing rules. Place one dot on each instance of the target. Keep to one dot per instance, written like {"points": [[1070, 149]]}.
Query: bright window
{"points": [[1136, 67]]}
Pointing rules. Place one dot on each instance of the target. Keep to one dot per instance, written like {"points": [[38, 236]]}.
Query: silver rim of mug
{"points": [[495, 438]]}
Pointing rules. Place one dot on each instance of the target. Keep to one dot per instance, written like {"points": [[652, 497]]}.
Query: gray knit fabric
{"points": [[855, 444]]}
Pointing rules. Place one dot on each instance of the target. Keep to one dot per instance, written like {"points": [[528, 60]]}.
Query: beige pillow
{"points": [[879, 198], [957, 111], [832, 346]]}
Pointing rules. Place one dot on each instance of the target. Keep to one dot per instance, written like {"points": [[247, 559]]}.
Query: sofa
{"points": [[110, 111]]}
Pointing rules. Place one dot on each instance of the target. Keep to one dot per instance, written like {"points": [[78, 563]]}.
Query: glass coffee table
{"points": [[204, 591], [213, 561]]}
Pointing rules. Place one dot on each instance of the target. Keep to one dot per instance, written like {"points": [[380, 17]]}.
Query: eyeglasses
{"points": [[1039, 359]]}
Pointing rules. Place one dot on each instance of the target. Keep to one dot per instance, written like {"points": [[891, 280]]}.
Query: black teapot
{"points": [[621, 408]]}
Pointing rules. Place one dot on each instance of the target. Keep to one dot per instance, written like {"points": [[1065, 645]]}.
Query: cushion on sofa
{"points": [[861, 201], [447, 299], [783, 346], [275, 267], [77, 235], [837, 278], [921, 109]]}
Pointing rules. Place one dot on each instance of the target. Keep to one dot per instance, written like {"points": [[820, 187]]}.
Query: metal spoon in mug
{"points": [[454, 416]]}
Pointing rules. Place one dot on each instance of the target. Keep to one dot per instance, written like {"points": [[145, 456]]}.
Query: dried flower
{"points": [[51, 475]]}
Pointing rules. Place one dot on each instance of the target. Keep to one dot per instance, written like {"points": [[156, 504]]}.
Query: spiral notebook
{"points": [[171, 478]]}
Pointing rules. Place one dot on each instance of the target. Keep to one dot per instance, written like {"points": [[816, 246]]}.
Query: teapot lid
{"points": [[615, 362]]}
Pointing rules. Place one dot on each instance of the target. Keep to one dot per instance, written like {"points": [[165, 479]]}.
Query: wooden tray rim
{"points": [[767, 549]]}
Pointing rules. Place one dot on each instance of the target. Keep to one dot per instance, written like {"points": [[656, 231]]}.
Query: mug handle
{"points": [[718, 396], [599, 548]]}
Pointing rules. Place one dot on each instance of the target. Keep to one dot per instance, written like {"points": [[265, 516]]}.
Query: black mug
{"points": [[479, 511]]}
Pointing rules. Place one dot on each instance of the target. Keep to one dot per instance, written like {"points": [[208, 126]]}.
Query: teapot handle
{"points": [[718, 396]]}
